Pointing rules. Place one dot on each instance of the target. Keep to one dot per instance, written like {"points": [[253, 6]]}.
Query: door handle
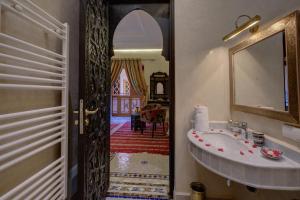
{"points": [[91, 112], [86, 121], [81, 128], [81, 120]]}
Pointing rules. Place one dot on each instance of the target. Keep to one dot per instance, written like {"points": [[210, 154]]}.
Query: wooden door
{"points": [[94, 112]]}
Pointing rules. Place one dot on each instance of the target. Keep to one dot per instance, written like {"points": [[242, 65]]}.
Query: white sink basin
{"points": [[222, 139], [225, 154]]}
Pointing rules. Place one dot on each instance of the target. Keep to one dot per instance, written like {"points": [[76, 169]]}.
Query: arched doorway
{"points": [[98, 20], [136, 39], [141, 140]]}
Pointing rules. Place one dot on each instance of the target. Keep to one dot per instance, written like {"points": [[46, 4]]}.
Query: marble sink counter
{"points": [[226, 154]]}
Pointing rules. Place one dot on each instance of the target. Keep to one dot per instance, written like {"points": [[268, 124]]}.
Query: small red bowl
{"points": [[274, 154]]}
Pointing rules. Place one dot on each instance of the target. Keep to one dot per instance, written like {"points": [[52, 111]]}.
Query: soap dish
{"points": [[274, 154]]}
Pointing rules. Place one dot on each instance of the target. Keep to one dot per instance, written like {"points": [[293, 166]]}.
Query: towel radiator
{"points": [[38, 69]]}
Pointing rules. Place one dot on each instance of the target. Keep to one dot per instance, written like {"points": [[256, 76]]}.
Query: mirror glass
{"points": [[260, 74], [159, 88]]}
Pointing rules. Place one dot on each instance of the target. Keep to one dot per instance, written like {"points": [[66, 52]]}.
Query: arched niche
{"points": [[159, 82], [138, 30], [159, 11]]}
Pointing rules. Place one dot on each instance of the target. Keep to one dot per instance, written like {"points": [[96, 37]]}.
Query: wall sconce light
{"points": [[251, 24]]}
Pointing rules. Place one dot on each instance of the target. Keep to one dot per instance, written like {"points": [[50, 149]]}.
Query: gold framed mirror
{"points": [[265, 72]]}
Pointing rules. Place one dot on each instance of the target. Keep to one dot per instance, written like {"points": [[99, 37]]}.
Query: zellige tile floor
{"points": [[139, 176]]}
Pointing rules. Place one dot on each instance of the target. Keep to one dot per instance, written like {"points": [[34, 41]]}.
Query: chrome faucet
{"points": [[233, 126], [240, 127]]}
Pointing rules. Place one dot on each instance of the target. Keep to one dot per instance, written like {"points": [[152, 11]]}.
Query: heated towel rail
{"points": [[25, 134]]}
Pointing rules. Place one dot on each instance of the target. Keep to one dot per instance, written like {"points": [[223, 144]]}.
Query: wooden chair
{"points": [[154, 116]]}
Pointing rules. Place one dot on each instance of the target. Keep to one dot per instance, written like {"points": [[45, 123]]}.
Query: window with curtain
{"points": [[129, 87]]}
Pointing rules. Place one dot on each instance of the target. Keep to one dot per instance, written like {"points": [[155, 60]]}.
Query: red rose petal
{"points": [[250, 151], [276, 153], [200, 140], [208, 145], [246, 142], [264, 150], [194, 133], [221, 149], [242, 153], [196, 136], [254, 146]]}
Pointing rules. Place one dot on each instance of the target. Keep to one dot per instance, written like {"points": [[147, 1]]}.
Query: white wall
{"points": [[202, 74]]}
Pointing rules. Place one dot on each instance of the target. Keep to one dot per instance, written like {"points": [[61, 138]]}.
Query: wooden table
{"points": [[135, 121]]}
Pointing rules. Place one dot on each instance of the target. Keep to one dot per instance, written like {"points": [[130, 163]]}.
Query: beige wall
{"points": [[202, 77], [15, 101], [152, 61], [240, 192]]}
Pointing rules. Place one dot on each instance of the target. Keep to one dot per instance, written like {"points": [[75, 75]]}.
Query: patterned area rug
{"points": [[112, 126], [138, 186], [125, 140]]}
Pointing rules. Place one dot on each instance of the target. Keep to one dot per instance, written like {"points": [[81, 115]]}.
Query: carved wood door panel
{"points": [[93, 161]]}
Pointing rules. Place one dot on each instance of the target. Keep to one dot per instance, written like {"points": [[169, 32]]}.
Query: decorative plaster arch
{"points": [[161, 16], [157, 32]]}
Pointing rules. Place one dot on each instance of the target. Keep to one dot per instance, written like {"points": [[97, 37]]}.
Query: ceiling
{"points": [[138, 30]]}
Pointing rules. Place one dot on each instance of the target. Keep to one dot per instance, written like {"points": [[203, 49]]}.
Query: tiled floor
{"points": [[119, 120], [139, 176], [140, 163]]}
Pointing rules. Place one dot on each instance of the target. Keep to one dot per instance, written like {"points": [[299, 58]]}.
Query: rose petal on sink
{"points": [[208, 145], [246, 142], [242, 153], [250, 151], [200, 140], [221, 149], [196, 136], [254, 146]]}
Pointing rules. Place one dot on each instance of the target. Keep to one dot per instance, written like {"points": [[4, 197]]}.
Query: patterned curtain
{"points": [[133, 68]]}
